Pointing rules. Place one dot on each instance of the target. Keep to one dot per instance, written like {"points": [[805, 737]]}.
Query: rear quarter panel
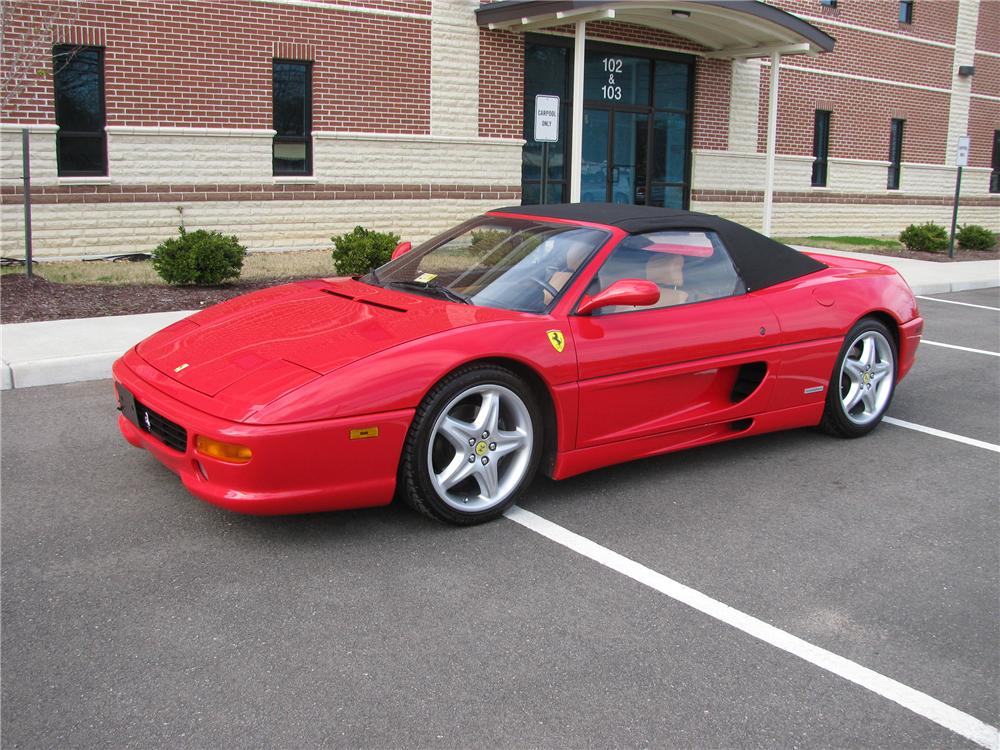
{"points": [[816, 312]]}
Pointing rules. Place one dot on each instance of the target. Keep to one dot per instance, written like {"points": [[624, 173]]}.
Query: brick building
{"points": [[286, 121]]}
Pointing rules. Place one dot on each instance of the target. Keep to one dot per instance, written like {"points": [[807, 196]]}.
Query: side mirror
{"points": [[631, 292], [402, 249]]}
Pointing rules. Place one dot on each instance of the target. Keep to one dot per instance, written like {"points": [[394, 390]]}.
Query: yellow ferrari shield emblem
{"points": [[557, 340]]}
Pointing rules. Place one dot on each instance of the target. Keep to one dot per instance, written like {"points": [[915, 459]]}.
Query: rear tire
{"points": [[473, 446], [863, 381]]}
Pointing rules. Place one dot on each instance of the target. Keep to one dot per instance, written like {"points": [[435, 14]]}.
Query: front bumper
{"points": [[295, 468]]}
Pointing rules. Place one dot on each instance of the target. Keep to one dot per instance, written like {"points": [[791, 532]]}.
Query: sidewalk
{"points": [[66, 351]]}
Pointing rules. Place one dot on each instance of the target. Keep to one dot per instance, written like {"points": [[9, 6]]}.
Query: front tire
{"points": [[863, 381], [473, 446]]}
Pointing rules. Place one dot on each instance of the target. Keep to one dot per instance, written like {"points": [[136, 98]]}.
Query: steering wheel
{"points": [[545, 285]]}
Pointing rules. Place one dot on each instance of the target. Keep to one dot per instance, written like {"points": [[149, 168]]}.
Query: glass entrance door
{"points": [[636, 125], [635, 140], [615, 156]]}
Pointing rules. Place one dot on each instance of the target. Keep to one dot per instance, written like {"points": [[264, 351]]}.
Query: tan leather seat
{"points": [[667, 272], [577, 253]]}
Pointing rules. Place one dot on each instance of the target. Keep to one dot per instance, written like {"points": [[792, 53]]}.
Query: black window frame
{"points": [[278, 138], [895, 153], [906, 11], [995, 164], [821, 147], [59, 53]]}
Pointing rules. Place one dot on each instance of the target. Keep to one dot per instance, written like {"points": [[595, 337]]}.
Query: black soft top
{"points": [[760, 261]]}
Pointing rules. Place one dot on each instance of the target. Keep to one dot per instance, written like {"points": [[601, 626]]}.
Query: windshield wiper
{"points": [[434, 288]]}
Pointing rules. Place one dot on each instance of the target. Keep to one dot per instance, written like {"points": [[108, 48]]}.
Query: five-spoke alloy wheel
{"points": [[473, 445], [863, 380]]}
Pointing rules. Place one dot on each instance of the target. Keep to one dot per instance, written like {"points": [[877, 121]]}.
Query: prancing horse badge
{"points": [[557, 340]]}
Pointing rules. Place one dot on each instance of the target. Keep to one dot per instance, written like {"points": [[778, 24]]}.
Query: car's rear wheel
{"points": [[473, 446], [863, 381]]}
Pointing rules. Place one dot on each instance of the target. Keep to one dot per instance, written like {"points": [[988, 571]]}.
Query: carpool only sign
{"points": [[546, 118]]}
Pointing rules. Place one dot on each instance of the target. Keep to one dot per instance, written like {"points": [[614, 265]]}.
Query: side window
{"points": [[687, 266]]}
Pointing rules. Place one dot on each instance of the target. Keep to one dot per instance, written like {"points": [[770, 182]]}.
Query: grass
{"points": [[846, 242], [255, 266]]}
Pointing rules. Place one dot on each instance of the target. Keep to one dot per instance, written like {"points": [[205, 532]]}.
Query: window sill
{"points": [[95, 180], [300, 179]]}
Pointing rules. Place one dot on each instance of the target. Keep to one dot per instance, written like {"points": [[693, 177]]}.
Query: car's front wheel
{"points": [[473, 446], [863, 381]]}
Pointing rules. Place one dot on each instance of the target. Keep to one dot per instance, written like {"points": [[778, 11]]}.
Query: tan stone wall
{"points": [[154, 171], [82, 229]]}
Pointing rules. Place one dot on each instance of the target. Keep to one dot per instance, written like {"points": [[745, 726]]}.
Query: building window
{"points": [[821, 147], [828, 3], [995, 174], [895, 154], [78, 80], [906, 11], [292, 117]]}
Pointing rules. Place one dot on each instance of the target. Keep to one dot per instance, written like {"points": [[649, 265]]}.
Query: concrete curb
{"points": [[67, 351]]}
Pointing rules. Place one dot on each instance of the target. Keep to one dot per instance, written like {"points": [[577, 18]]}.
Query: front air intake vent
{"points": [[381, 304], [336, 294], [169, 433], [363, 301]]}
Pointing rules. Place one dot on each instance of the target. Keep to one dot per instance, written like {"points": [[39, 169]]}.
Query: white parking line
{"points": [[942, 434], [960, 348], [920, 703], [955, 302]]}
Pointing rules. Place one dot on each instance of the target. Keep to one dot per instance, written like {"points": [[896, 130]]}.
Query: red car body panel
{"points": [[291, 371]]}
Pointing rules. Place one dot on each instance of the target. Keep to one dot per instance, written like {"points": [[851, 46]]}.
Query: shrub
{"points": [[975, 237], [484, 242], [360, 250], [927, 237], [200, 257]]}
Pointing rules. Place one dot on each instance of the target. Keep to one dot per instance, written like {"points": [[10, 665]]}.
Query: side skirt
{"points": [[575, 462]]}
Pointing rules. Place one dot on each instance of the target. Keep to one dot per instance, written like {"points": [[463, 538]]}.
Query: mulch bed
{"points": [[24, 300]]}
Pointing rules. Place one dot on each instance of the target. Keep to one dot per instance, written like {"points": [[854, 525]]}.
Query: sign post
{"points": [[546, 132], [26, 177], [962, 160]]}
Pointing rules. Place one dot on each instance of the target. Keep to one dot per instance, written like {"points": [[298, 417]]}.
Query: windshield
{"points": [[513, 264]]}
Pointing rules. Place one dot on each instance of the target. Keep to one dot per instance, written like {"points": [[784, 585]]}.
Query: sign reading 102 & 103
{"points": [[546, 118], [611, 90]]}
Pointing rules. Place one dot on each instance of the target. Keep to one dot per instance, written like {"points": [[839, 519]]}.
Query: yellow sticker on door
{"points": [[557, 340]]}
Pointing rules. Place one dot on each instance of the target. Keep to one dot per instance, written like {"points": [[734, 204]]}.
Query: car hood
{"points": [[271, 341]]}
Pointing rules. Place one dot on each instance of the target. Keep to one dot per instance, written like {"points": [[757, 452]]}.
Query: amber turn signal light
{"points": [[228, 452]]}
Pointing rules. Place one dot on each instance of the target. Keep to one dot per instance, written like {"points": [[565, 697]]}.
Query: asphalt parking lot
{"points": [[134, 615]]}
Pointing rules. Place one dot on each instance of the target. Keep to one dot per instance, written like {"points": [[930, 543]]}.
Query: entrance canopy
{"points": [[725, 28]]}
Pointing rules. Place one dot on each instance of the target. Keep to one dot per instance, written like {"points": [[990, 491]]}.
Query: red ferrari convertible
{"points": [[560, 337]]}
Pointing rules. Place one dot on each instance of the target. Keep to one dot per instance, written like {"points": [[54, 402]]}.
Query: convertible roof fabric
{"points": [[760, 261]]}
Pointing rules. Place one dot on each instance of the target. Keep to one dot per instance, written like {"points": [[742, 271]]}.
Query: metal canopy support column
{"points": [[772, 137], [576, 139]]}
